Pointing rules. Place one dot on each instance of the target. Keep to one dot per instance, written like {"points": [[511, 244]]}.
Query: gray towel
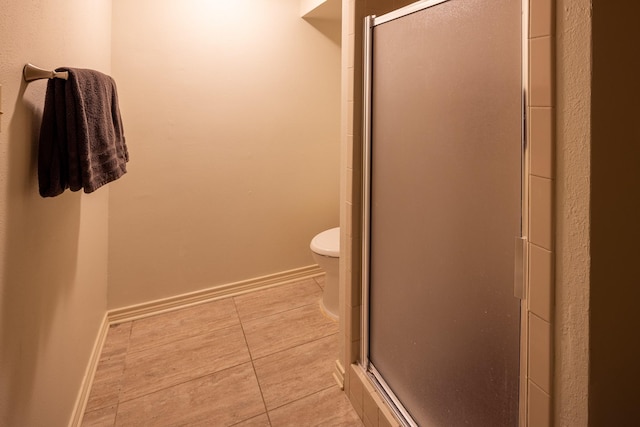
{"points": [[82, 144]]}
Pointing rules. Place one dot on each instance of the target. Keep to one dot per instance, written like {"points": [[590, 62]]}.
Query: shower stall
{"points": [[442, 254]]}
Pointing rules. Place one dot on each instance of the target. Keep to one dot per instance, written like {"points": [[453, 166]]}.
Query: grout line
{"points": [[183, 338], [173, 342], [541, 247], [115, 418], [315, 279], [249, 419], [279, 313], [289, 348], [253, 366], [542, 177], [540, 37], [283, 311], [296, 346], [124, 368], [304, 397], [199, 377]]}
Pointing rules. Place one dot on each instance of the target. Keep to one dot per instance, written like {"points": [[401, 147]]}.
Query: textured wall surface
{"points": [[573, 56]]}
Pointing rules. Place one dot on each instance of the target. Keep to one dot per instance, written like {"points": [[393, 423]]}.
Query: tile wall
{"points": [[537, 322], [540, 303]]}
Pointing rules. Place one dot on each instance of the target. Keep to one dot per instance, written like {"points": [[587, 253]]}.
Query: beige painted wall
{"points": [[573, 171], [233, 116], [53, 251]]}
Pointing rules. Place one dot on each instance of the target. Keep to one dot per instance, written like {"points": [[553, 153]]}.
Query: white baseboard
{"points": [[151, 308], [87, 381], [338, 374], [159, 306]]}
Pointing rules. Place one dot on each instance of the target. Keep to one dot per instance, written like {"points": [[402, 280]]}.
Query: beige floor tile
{"points": [[326, 408], [259, 421], [274, 300], [220, 399], [117, 338], [288, 329], [105, 417], [298, 372], [106, 381], [170, 364], [187, 322], [320, 281]]}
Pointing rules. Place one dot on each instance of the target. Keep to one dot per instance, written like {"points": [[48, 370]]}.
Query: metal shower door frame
{"points": [[520, 245]]}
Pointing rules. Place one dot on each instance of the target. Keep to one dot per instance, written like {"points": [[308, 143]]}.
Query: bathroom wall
{"points": [[572, 217], [53, 252], [232, 120]]}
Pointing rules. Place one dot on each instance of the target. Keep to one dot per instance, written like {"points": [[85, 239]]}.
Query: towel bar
{"points": [[31, 73]]}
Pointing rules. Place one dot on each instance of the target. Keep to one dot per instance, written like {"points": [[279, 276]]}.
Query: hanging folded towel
{"points": [[82, 144]]}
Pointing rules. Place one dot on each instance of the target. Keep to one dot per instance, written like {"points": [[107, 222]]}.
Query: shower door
{"points": [[443, 210]]}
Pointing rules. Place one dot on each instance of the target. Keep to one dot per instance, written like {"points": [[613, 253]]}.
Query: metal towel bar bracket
{"points": [[31, 73]]}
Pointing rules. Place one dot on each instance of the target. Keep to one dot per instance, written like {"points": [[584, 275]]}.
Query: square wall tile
{"points": [[368, 423], [540, 72], [356, 214], [369, 406], [350, 151], [540, 282], [540, 352], [386, 418], [355, 323], [539, 407], [540, 18], [348, 227], [349, 222], [541, 213], [350, 124], [351, 41], [355, 390], [347, 384], [356, 184], [350, 84], [356, 291], [541, 141], [354, 355], [352, 14], [349, 242]]}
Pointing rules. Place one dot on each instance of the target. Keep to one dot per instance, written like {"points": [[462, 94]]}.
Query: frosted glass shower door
{"points": [[444, 210]]}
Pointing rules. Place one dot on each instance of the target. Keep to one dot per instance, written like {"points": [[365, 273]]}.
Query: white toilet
{"points": [[325, 248]]}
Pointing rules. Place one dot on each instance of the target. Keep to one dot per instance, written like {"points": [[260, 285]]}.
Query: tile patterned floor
{"points": [[261, 359]]}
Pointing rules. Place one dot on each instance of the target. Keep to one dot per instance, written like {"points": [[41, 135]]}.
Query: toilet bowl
{"points": [[325, 248]]}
